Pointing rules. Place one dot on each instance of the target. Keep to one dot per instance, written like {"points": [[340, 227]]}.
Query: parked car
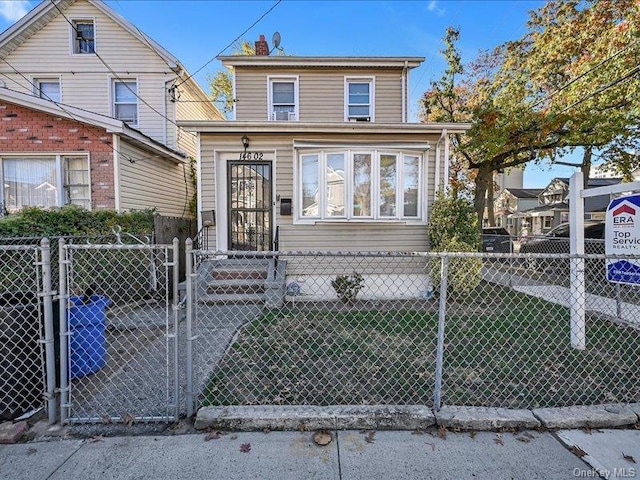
{"points": [[496, 240], [556, 241]]}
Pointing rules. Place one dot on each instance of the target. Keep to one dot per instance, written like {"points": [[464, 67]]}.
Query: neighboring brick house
{"points": [[81, 53], [51, 157]]}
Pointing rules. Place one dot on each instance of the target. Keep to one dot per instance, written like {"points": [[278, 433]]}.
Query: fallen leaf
{"points": [[212, 436], [245, 447], [628, 458], [96, 438], [473, 434], [523, 439], [322, 438], [498, 440], [576, 450], [266, 430], [128, 419], [369, 437], [442, 432], [587, 430], [31, 450], [433, 447]]}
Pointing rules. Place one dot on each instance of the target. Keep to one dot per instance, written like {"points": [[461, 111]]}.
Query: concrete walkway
{"points": [[350, 455]]}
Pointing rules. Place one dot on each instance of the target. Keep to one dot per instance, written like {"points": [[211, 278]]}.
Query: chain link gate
{"points": [[119, 345]]}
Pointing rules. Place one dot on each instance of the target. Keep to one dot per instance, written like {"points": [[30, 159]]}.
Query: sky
{"points": [[197, 31]]}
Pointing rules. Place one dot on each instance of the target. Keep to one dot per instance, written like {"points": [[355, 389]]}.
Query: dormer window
{"points": [[283, 99], [83, 37], [359, 99]]}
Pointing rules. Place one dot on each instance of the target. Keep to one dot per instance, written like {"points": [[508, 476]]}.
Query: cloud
{"points": [[432, 6], [14, 10]]}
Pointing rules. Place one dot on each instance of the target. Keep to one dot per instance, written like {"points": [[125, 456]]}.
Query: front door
{"points": [[249, 204]]}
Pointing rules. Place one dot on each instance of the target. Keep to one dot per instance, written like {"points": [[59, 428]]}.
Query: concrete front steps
{"points": [[241, 280]]}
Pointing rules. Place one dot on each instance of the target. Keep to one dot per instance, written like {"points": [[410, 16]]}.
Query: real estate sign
{"points": [[622, 237]]}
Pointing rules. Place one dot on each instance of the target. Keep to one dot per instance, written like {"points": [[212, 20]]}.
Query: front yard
{"points": [[502, 348]]}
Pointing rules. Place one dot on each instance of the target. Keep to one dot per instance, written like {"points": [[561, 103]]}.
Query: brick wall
{"points": [[23, 130]]}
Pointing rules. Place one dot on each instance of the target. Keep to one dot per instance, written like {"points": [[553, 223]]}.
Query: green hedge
{"points": [[73, 220]]}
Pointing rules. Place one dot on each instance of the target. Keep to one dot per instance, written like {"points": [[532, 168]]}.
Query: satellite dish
{"points": [[276, 40]]}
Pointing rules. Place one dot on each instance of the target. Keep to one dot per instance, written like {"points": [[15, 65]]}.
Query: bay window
{"points": [[359, 185], [44, 181]]}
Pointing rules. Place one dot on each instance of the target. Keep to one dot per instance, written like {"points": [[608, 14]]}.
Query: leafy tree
{"points": [[221, 83], [571, 81]]}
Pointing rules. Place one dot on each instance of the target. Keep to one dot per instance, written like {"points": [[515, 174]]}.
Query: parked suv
{"points": [[496, 240]]}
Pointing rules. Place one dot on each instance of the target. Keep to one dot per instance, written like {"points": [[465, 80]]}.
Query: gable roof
{"points": [[47, 10], [110, 124], [525, 192]]}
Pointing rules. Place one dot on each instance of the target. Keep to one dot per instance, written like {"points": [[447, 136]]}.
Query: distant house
{"points": [[81, 56], [553, 205], [509, 203]]}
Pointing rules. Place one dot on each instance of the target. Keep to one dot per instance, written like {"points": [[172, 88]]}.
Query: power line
{"points": [[232, 42]]}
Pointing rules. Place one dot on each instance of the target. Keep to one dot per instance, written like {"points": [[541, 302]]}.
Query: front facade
{"points": [[81, 54], [320, 156]]}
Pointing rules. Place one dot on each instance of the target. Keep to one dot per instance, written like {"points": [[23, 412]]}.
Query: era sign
{"points": [[622, 237]]}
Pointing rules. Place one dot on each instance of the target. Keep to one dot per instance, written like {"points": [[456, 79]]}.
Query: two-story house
{"points": [[80, 55], [320, 156], [508, 204], [553, 205]]}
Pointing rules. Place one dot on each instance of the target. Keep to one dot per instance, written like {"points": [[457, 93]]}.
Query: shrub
{"points": [[73, 220], [347, 287], [463, 274], [453, 217]]}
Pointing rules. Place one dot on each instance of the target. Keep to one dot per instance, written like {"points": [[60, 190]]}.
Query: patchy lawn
{"points": [[502, 348]]}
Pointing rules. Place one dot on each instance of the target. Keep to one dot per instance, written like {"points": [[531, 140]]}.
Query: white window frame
{"points": [[270, 107], [36, 81], [59, 159], [72, 35], [371, 80], [375, 217], [112, 97]]}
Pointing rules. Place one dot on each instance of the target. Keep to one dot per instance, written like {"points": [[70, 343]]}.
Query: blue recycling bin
{"points": [[87, 339]]}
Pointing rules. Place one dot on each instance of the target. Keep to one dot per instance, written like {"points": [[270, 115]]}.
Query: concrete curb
{"points": [[411, 417], [595, 416], [485, 418], [292, 417]]}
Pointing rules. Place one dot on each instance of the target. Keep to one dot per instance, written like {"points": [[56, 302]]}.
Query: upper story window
{"points": [[283, 98], [359, 185], [29, 181], [359, 99], [48, 89], [83, 33], [125, 101]]}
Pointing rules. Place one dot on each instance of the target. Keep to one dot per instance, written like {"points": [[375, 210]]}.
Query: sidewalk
{"points": [[350, 455]]}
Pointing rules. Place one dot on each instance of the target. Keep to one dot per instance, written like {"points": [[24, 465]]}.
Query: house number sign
{"points": [[252, 156]]}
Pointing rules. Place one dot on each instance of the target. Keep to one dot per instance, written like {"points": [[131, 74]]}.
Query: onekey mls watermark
{"points": [[628, 472]]}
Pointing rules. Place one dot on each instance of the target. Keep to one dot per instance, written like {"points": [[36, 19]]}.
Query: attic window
{"points": [[83, 37]]}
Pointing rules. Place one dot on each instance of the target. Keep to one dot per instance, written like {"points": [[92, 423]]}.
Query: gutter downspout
{"points": [[116, 171], [446, 159], [404, 81], [436, 182]]}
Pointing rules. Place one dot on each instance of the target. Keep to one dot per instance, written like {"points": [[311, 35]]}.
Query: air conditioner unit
{"points": [[284, 116]]}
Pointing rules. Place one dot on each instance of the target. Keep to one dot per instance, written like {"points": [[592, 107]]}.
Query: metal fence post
{"points": [[64, 354], [442, 313], [176, 313], [189, 301], [49, 345]]}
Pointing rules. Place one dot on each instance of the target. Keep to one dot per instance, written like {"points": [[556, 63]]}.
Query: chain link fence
{"points": [[456, 329]]}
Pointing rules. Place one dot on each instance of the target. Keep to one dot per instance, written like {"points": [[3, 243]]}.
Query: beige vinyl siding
{"points": [[153, 182], [321, 93], [191, 107], [346, 236], [85, 80]]}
